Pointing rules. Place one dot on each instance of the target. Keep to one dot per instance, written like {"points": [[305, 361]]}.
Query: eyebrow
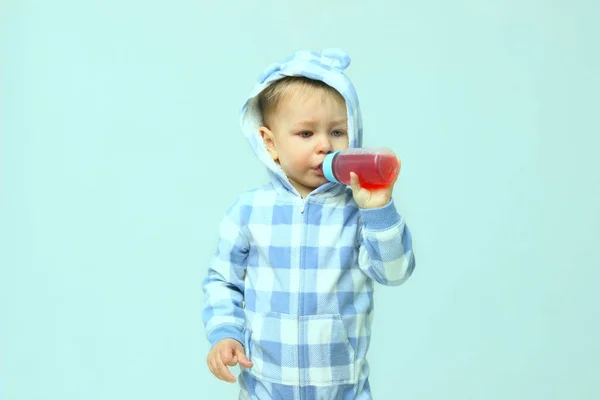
{"points": [[310, 122], [340, 122]]}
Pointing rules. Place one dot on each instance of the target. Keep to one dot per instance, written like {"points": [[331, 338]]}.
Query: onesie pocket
{"points": [[326, 355], [301, 350]]}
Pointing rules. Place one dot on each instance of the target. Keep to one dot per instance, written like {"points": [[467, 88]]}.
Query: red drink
{"points": [[376, 168]]}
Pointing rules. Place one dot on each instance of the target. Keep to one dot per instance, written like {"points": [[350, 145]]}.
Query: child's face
{"points": [[305, 128]]}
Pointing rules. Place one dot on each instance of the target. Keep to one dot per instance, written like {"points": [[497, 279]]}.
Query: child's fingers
{"points": [[354, 182], [231, 362], [228, 355], [214, 366], [210, 360], [240, 355], [244, 361], [223, 372]]}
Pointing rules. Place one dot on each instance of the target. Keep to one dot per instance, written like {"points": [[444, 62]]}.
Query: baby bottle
{"points": [[375, 167]]}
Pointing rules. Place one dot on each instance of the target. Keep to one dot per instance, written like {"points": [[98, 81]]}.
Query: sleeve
{"points": [[223, 286], [385, 250]]}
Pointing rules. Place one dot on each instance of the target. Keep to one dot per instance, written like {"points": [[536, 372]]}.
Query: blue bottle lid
{"points": [[327, 167]]}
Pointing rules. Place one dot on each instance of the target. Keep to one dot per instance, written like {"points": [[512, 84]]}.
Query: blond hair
{"points": [[269, 99]]}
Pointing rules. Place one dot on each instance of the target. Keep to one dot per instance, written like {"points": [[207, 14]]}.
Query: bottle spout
{"points": [[328, 167]]}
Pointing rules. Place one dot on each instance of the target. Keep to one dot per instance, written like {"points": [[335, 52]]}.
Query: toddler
{"points": [[289, 292]]}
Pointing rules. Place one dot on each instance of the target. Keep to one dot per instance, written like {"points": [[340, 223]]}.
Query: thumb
{"points": [[241, 356], [354, 182]]}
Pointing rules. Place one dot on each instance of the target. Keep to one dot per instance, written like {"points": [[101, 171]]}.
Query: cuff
{"points": [[226, 331], [380, 218]]}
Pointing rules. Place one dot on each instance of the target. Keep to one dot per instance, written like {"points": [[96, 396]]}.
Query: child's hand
{"points": [[226, 352], [373, 198]]}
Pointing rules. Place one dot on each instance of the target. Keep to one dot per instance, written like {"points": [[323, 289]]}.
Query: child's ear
{"points": [[267, 137]]}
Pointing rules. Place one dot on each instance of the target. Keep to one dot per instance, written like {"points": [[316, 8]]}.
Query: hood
{"points": [[326, 66]]}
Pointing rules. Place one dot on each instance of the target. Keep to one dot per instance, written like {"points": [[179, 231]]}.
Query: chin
{"points": [[321, 182]]}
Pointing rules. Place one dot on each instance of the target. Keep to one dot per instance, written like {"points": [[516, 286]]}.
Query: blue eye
{"points": [[305, 134], [337, 133]]}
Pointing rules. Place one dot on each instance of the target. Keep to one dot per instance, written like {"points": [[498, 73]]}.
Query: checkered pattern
{"points": [[252, 388], [292, 280], [296, 288]]}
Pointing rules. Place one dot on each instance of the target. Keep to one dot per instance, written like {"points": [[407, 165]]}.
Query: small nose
{"points": [[324, 145]]}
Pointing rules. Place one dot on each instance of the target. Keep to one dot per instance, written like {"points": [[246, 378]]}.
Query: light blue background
{"points": [[120, 151]]}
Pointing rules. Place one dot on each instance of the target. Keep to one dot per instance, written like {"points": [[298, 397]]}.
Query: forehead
{"points": [[303, 97]]}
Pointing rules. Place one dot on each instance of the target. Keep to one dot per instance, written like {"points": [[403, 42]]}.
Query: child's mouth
{"points": [[319, 169]]}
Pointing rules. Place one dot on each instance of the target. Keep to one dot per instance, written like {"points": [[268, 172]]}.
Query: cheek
{"points": [[341, 143], [294, 158], [297, 157]]}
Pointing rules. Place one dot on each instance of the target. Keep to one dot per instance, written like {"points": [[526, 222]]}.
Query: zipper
{"points": [[302, 354]]}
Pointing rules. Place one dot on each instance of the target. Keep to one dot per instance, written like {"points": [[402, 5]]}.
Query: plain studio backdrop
{"points": [[121, 150]]}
